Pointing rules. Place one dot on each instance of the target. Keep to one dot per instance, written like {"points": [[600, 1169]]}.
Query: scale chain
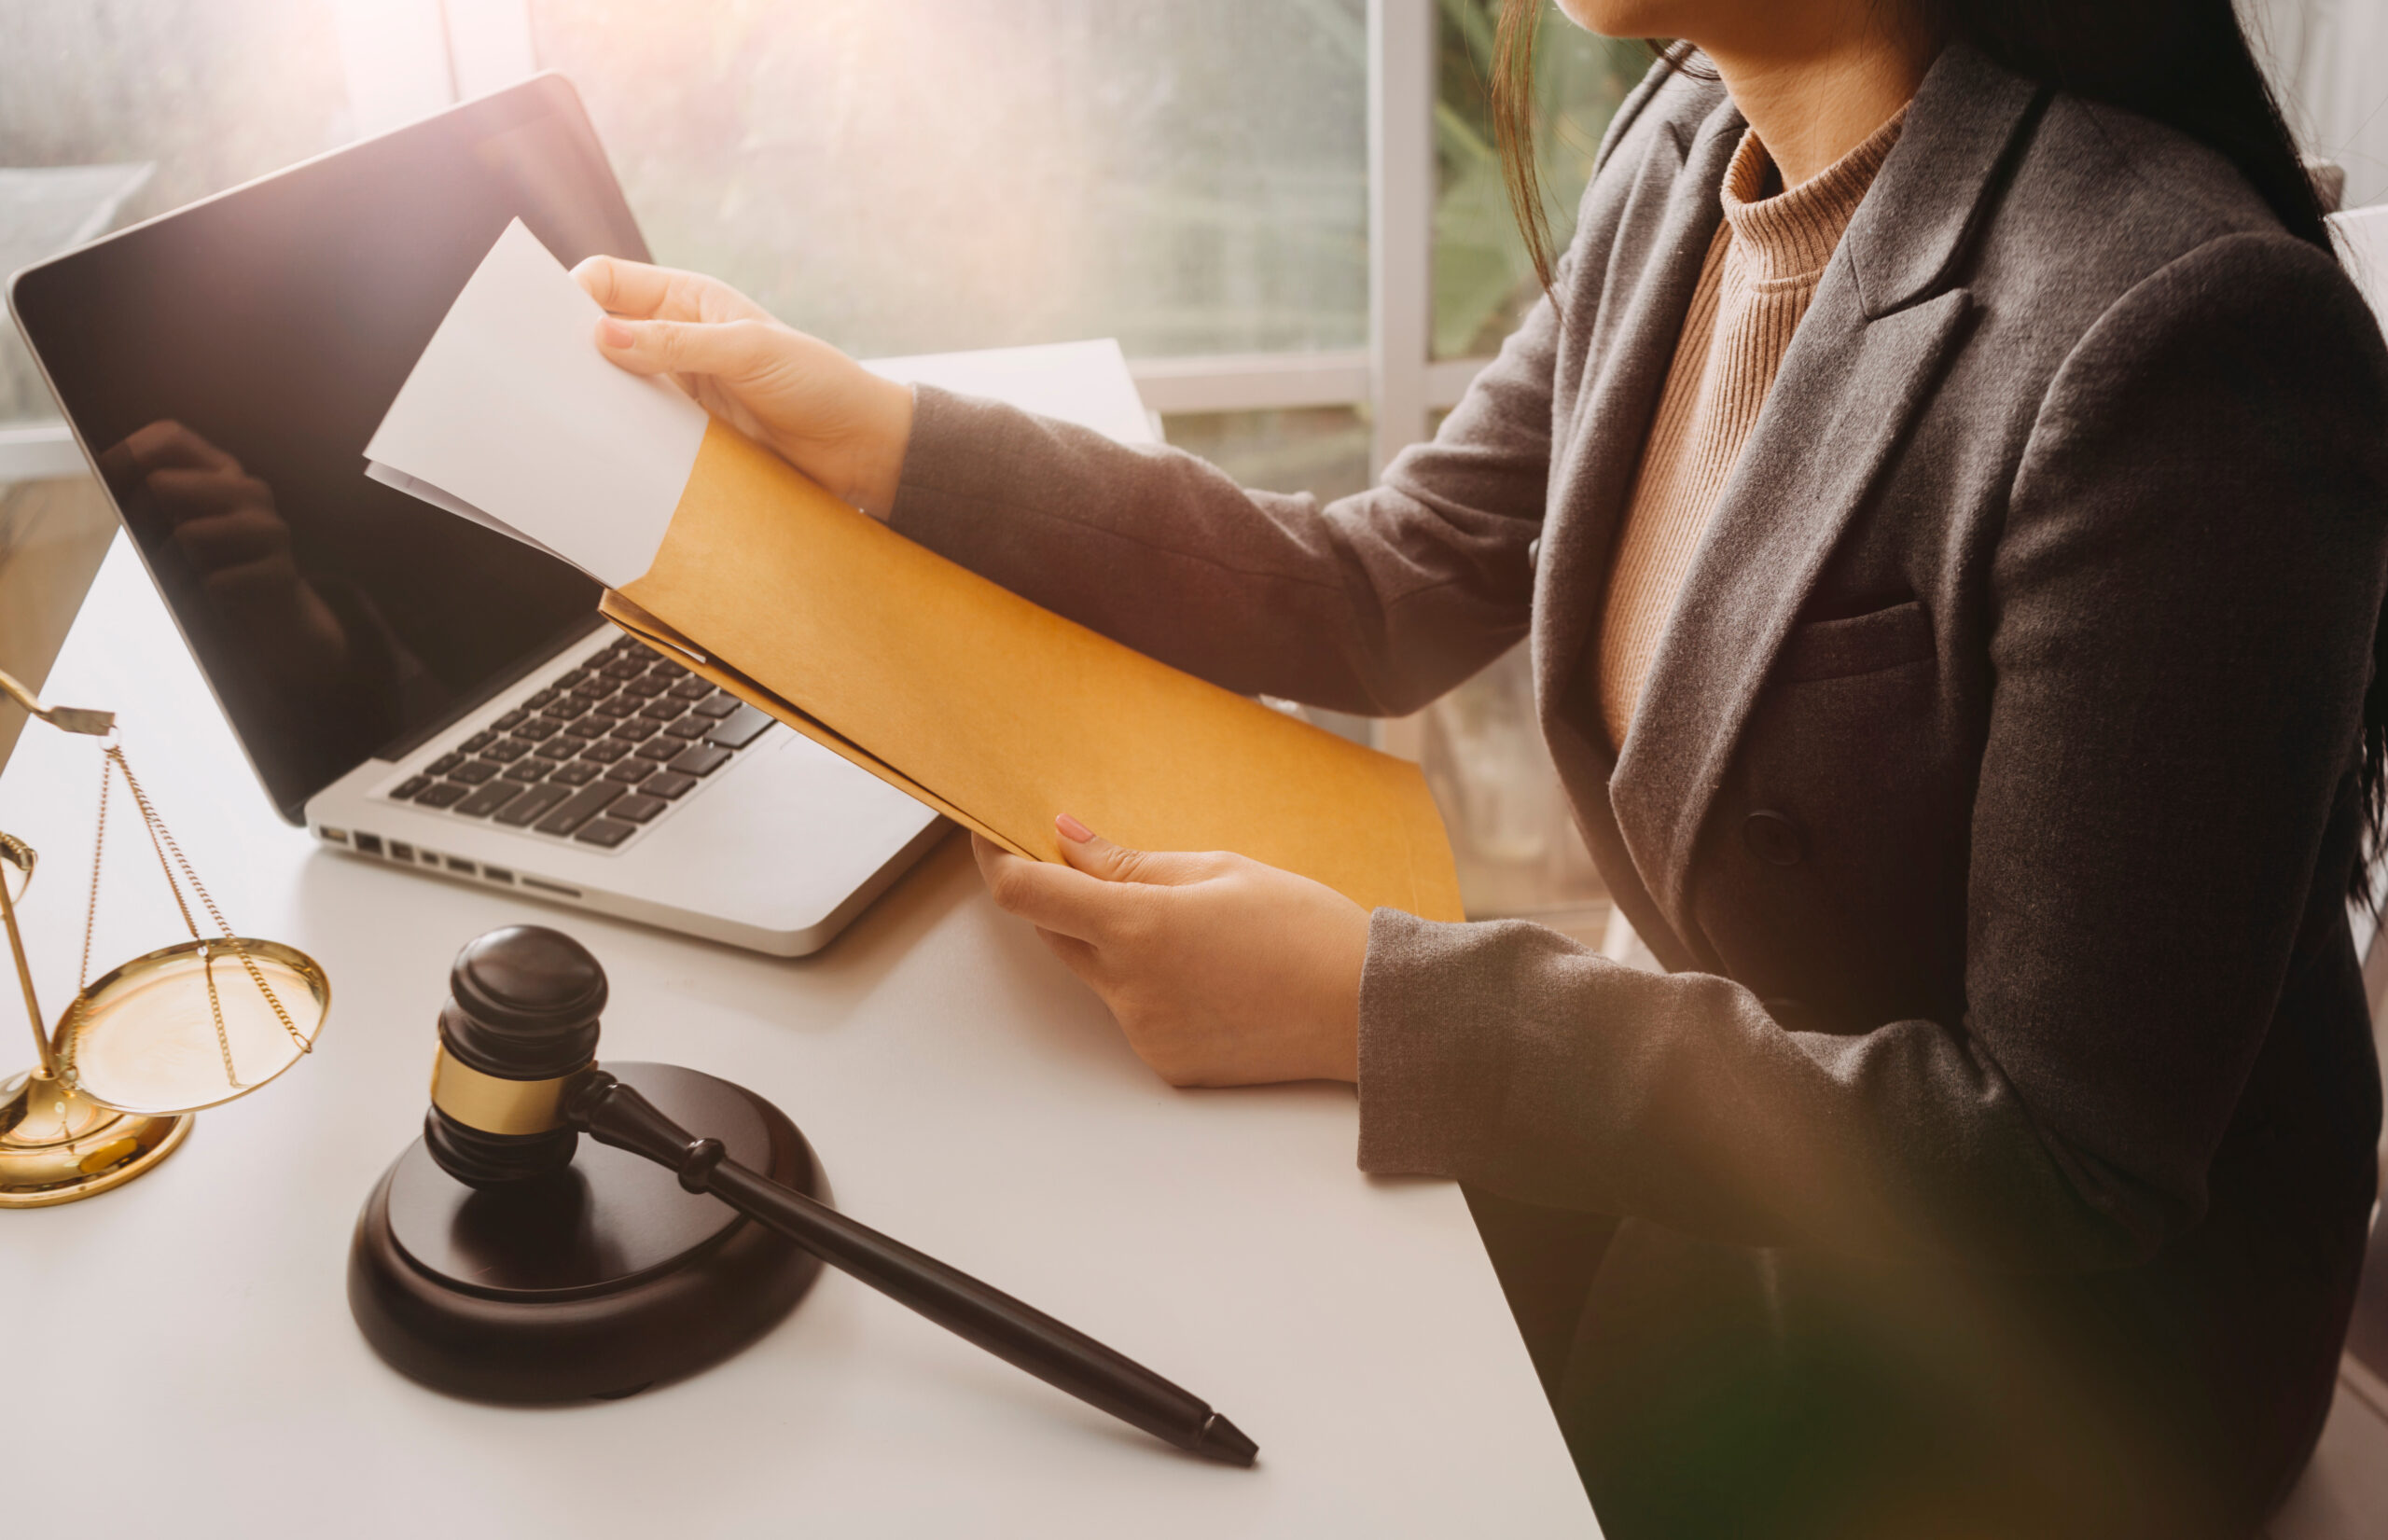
{"points": [[162, 841]]}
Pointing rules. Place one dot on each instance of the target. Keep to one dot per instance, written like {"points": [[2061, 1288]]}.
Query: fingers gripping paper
{"points": [[996, 712]]}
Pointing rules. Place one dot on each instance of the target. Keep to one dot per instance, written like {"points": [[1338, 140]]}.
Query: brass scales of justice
{"points": [[145, 1045]]}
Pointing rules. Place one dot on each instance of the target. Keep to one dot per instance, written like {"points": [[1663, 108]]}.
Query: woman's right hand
{"points": [[826, 414]]}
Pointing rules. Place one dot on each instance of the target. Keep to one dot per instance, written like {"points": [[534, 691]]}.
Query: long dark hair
{"points": [[2186, 63]]}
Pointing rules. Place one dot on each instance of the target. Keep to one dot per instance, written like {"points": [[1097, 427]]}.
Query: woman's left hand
{"points": [[1221, 971]]}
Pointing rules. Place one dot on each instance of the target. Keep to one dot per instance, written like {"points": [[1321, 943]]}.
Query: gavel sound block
{"points": [[600, 1275], [492, 1263]]}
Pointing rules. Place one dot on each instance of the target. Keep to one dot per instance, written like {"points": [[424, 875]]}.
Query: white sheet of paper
{"points": [[1083, 382], [519, 422], [457, 505]]}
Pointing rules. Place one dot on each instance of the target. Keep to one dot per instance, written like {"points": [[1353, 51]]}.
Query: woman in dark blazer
{"points": [[1996, 1154]]}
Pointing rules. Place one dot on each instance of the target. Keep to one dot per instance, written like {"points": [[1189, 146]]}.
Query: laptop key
{"points": [[646, 687], [474, 771], [583, 805], [622, 668], [511, 720], [541, 700], [525, 769], [442, 764], [565, 680], [637, 808], [557, 747], [691, 689], [605, 750], [629, 773], [506, 750], [659, 748], [607, 832], [634, 730], [668, 784], [446, 794], [537, 729], [662, 710], [574, 774], [476, 743], [739, 729], [719, 703], [701, 759], [690, 727], [405, 790], [569, 708], [491, 798], [534, 801]]}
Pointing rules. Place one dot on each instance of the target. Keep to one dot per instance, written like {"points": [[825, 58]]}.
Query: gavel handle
{"points": [[1062, 1356]]}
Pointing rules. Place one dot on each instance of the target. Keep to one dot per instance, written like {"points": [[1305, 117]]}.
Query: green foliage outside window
{"points": [[1484, 278]]}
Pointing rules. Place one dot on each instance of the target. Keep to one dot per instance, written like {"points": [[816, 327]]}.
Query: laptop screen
{"points": [[226, 364]]}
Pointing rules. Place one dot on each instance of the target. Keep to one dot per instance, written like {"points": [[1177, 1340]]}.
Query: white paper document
{"points": [[1083, 382], [512, 418]]}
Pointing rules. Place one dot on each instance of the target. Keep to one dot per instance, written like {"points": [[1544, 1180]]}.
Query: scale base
{"points": [[57, 1144], [597, 1282]]}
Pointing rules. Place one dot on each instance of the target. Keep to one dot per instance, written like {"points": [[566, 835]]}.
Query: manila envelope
{"points": [[1000, 713]]}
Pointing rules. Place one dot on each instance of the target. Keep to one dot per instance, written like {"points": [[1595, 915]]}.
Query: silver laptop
{"points": [[416, 690]]}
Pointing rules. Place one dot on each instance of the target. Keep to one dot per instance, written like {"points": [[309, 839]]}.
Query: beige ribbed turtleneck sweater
{"points": [[1761, 273]]}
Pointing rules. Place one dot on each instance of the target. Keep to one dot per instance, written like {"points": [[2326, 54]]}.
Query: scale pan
{"points": [[144, 1036]]}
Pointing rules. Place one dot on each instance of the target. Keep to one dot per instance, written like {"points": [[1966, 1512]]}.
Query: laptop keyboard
{"points": [[603, 751]]}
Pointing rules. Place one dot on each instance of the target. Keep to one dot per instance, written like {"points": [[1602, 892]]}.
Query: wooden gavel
{"points": [[516, 1082]]}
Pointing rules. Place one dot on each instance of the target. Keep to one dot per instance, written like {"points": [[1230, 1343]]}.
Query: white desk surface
{"points": [[179, 1351]]}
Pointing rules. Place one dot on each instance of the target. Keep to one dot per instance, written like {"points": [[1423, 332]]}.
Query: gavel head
{"points": [[517, 1035]]}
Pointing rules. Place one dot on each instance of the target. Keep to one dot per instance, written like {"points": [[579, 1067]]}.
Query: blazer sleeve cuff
{"points": [[1431, 1074], [948, 462]]}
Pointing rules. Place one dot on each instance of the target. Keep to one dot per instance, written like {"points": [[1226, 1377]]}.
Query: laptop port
{"points": [[338, 837], [401, 850], [498, 874], [556, 888], [456, 865], [370, 844]]}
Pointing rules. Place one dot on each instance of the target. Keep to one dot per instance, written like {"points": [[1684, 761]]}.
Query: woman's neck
{"points": [[1814, 93]]}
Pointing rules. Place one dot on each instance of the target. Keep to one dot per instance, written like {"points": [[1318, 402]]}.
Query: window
{"points": [[914, 175], [1485, 280], [152, 103]]}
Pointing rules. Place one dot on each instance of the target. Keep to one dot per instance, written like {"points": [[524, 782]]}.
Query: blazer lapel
{"points": [[1847, 390], [1868, 354], [1670, 218], [1664, 232]]}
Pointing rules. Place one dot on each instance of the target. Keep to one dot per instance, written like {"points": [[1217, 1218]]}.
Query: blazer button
{"points": [[1773, 838]]}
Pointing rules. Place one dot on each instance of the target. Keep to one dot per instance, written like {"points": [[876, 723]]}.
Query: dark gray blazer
{"points": [[2008, 1114]]}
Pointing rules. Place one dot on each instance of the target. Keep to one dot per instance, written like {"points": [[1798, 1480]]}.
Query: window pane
{"points": [[914, 175], [1323, 451], [1515, 840], [208, 94], [1484, 279]]}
